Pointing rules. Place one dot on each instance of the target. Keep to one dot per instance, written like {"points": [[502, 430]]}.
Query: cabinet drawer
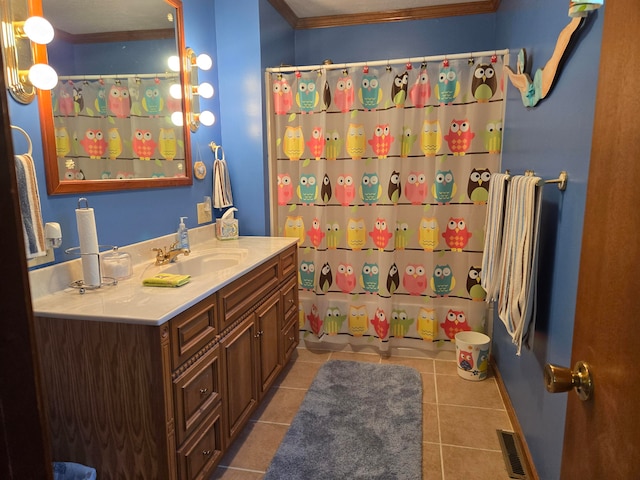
{"points": [[239, 296], [288, 262], [202, 451], [192, 330], [197, 392], [290, 298], [290, 337]]}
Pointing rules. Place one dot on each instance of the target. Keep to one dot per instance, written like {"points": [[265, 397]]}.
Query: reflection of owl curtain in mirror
{"points": [[116, 128], [382, 174]]}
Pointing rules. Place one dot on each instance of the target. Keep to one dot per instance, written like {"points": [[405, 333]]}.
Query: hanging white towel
{"points": [[519, 258], [29, 199], [222, 196], [493, 232]]}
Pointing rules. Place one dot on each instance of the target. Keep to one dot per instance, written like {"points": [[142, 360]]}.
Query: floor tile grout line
{"points": [[472, 406], [435, 386], [227, 467], [471, 448]]}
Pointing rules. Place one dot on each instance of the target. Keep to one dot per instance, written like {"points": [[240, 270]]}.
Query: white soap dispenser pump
{"points": [[183, 234]]}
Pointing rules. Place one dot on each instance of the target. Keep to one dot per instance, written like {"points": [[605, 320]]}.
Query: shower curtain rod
{"points": [[118, 76], [375, 63]]}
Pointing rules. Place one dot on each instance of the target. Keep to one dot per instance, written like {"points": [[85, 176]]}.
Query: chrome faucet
{"points": [[164, 255]]}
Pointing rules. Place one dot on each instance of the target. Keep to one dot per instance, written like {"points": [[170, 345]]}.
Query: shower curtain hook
{"points": [[494, 57], [471, 61]]}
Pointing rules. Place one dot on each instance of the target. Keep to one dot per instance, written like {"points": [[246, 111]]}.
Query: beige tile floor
{"points": [[460, 419]]}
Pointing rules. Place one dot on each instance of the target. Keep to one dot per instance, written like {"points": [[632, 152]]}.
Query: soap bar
{"points": [[166, 280]]}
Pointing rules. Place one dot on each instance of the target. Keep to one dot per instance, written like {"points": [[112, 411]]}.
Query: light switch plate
{"points": [[204, 216]]}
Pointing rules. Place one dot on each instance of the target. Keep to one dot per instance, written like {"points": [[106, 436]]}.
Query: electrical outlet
{"points": [[204, 215]]}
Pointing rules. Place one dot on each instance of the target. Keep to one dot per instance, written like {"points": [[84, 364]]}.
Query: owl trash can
{"points": [[472, 355]]}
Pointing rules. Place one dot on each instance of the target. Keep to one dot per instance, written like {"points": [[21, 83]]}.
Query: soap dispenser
{"points": [[183, 234]]}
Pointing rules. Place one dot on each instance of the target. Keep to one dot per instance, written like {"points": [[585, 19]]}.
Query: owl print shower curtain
{"points": [[382, 175], [117, 128]]}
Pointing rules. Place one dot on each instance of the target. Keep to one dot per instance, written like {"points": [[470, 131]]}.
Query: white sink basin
{"points": [[198, 263]]}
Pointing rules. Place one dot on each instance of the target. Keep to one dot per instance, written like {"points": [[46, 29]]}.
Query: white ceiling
{"points": [[97, 16], [319, 8]]}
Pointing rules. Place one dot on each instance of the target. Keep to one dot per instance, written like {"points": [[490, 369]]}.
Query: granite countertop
{"points": [[131, 302]]}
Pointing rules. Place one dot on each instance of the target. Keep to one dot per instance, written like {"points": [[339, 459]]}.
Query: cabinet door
{"points": [[239, 356], [268, 320]]}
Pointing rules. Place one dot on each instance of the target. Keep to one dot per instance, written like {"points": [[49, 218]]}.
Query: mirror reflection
{"points": [[109, 118]]}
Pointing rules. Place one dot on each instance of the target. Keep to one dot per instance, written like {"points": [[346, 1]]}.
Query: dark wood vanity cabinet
{"points": [[165, 402]]}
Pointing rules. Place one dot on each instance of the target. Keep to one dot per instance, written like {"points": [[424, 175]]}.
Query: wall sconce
{"points": [[19, 30], [195, 90]]}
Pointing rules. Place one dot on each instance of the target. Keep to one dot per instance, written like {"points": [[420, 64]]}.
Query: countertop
{"points": [[129, 301]]}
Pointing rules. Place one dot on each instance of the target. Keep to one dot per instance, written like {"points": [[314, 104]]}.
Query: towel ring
{"points": [[26, 135], [215, 147]]}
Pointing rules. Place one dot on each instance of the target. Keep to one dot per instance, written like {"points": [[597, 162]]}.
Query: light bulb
{"points": [[174, 63], [177, 119], [43, 76], [38, 29], [206, 118], [175, 91], [204, 62], [205, 90]]}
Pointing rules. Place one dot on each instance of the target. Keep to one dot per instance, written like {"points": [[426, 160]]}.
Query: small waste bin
{"points": [[472, 355], [72, 471]]}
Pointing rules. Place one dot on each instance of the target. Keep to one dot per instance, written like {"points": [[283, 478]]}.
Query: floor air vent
{"points": [[512, 454]]}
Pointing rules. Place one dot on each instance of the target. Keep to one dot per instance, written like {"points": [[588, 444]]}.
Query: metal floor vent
{"points": [[512, 454]]}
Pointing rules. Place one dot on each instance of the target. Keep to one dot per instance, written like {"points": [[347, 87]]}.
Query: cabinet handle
{"points": [[257, 335], [291, 339], [204, 391], [291, 301], [206, 453]]}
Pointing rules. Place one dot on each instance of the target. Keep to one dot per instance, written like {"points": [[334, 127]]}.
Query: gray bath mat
{"points": [[358, 421]]}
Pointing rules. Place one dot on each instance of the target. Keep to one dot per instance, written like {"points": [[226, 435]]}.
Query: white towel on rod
{"points": [[29, 200], [519, 258], [222, 196], [493, 231]]}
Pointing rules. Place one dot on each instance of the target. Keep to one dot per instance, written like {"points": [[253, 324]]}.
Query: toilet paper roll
{"points": [[89, 250]]}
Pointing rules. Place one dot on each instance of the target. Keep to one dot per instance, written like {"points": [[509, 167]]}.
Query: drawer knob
{"points": [[260, 332], [204, 391], [206, 453], [291, 301], [291, 339]]}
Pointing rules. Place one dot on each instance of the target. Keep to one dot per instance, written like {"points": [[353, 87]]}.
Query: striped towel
{"points": [[519, 259], [222, 196], [493, 236], [30, 206]]}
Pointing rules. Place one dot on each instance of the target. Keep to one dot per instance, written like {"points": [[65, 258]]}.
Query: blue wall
{"points": [[414, 38], [244, 36], [554, 136]]}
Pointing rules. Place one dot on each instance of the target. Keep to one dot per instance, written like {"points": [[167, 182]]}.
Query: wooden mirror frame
{"points": [[45, 107]]}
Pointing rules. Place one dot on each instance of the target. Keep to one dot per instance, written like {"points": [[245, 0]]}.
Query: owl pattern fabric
{"points": [[117, 128], [382, 175]]}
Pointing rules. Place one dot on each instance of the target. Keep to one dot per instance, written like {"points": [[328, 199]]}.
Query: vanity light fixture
{"points": [[19, 30], [203, 61], [194, 90]]}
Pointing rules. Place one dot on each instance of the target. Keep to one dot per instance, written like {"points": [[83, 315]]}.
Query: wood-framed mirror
{"points": [[107, 125]]}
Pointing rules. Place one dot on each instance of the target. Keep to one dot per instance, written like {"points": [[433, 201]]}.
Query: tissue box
{"points": [[227, 228]]}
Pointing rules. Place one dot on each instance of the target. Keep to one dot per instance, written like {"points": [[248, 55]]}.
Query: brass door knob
{"points": [[561, 379]]}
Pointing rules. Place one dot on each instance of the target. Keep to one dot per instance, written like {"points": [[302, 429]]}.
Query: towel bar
{"points": [[562, 179]]}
